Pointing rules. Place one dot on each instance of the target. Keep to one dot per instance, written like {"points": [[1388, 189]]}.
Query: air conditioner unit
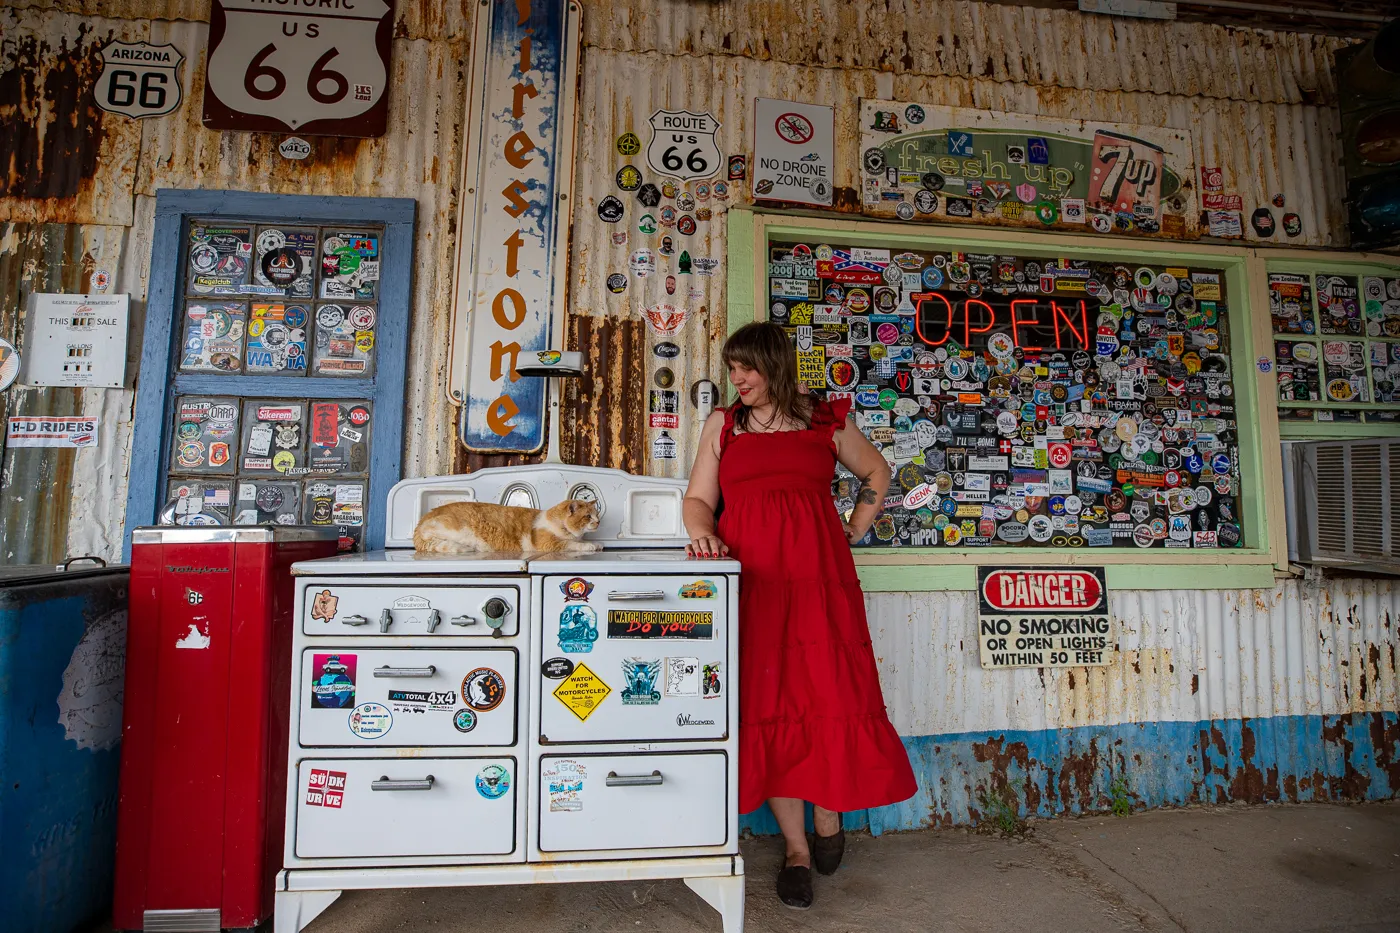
{"points": [[1345, 497]]}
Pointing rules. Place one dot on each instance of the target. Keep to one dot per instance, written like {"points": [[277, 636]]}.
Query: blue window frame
{"points": [[160, 379]]}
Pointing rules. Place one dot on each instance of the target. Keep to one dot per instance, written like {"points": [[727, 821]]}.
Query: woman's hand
{"points": [[702, 546], [853, 534]]}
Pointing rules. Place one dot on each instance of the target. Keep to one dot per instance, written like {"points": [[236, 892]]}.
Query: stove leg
{"points": [[293, 910], [725, 895]]}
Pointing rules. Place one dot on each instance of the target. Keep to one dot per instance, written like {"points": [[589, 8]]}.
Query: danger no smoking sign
{"points": [[1044, 617]]}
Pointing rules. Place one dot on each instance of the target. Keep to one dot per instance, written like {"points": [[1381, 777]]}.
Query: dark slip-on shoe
{"points": [[827, 851], [795, 887]]}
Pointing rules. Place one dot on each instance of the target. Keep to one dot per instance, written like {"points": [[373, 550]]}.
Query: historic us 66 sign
{"points": [[1044, 617], [321, 69]]}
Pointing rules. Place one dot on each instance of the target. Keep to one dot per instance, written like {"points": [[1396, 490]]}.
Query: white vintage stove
{"points": [[500, 719]]}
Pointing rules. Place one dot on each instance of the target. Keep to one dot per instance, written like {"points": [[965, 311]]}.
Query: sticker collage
{"points": [[1020, 400], [1336, 346], [657, 222], [333, 688], [282, 301], [646, 680]]}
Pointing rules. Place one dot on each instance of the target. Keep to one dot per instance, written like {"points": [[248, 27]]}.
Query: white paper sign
{"points": [[793, 152], [51, 432], [75, 340]]}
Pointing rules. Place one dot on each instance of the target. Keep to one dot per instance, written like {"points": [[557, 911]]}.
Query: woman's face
{"points": [[750, 384]]}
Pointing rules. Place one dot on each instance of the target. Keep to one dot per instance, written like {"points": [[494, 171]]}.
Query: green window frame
{"points": [[954, 568], [1311, 264]]}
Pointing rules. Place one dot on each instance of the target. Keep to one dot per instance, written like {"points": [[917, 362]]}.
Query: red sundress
{"points": [[812, 721]]}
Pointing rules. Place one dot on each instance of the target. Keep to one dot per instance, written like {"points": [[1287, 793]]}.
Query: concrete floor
{"points": [[1237, 869]]}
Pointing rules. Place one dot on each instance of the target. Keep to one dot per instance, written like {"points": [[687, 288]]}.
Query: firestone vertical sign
{"points": [[510, 272]]}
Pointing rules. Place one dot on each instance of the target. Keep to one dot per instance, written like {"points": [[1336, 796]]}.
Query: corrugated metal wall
{"points": [[1259, 104], [96, 175]]}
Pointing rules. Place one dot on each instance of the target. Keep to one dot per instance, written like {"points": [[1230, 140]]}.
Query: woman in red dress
{"points": [[812, 721]]}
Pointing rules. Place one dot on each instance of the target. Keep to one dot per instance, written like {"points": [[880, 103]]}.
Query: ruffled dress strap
{"points": [[830, 417], [728, 432]]}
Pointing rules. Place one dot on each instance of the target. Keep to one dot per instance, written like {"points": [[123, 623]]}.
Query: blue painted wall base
{"points": [[1052, 772]]}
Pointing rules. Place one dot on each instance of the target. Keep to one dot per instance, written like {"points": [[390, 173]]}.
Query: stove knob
{"points": [[495, 611], [462, 620], [434, 617], [386, 619]]}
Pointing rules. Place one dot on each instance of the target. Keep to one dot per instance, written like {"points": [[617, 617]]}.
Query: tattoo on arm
{"points": [[867, 495]]}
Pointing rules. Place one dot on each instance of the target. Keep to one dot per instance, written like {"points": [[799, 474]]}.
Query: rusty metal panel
{"points": [[1002, 43], [62, 160], [35, 504], [1214, 696], [435, 19]]}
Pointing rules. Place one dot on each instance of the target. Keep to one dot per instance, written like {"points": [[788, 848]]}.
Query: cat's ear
{"points": [[573, 506]]}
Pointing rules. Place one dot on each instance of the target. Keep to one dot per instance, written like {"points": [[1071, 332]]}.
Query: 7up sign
{"points": [[683, 144]]}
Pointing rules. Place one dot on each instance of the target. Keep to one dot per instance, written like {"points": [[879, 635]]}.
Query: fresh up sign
{"points": [[510, 274], [1043, 617]]}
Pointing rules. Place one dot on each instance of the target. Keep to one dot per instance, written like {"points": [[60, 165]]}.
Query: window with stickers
{"points": [[1336, 344], [1024, 399], [274, 300]]}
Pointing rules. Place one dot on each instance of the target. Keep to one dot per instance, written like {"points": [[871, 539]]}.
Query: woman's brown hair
{"points": [[765, 347]]}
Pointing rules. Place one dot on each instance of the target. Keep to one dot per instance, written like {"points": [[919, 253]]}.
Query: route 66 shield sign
{"points": [[321, 71], [139, 79], [683, 144]]}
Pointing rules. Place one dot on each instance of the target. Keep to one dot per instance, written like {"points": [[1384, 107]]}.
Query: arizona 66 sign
{"points": [[139, 79], [320, 67]]}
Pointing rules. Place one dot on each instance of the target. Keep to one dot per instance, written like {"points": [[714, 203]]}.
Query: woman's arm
{"points": [[702, 495], [858, 455]]}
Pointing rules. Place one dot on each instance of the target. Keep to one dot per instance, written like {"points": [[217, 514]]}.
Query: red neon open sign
{"points": [[1068, 327]]}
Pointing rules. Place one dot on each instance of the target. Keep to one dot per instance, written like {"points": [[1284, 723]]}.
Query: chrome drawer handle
{"points": [[462, 620], [633, 780], [387, 671], [637, 594], [386, 619], [387, 783], [354, 620]]}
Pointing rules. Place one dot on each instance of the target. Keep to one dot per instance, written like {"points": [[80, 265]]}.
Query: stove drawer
{"points": [[353, 697], [621, 802], [630, 658], [410, 607], [371, 807]]}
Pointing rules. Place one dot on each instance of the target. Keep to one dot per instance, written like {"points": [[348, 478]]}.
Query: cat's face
{"points": [[579, 518]]}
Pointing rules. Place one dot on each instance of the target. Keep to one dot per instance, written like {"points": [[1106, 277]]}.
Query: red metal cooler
{"points": [[204, 738]]}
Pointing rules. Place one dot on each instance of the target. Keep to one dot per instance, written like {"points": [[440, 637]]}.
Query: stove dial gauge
{"points": [[587, 492]]}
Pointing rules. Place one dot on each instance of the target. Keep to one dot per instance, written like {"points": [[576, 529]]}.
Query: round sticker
{"points": [[283, 461], [483, 689], [686, 225], [1143, 536], [1000, 346], [629, 178], [359, 416], [327, 316], [610, 210], [362, 317], [1040, 528], [371, 720], [628, 144], [464, 720], [191, 454], [493, 782], [270, 498]]}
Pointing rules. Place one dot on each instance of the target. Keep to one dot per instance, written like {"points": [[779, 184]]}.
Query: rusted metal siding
{"points": [[115, 168], [966, 40], [1215, 696]]}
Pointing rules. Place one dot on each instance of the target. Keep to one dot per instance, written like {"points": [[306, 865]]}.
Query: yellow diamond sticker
{"points": [[582, 692]]}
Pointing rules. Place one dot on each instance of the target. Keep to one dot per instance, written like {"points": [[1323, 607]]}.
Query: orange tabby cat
{"points": [[464, 527]]}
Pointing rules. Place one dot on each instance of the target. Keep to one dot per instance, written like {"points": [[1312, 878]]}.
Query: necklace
{"points": [[766, 427]]}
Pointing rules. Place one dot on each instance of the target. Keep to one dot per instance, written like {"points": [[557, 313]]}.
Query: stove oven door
{"points": [[634, 658], [423, 697]]}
